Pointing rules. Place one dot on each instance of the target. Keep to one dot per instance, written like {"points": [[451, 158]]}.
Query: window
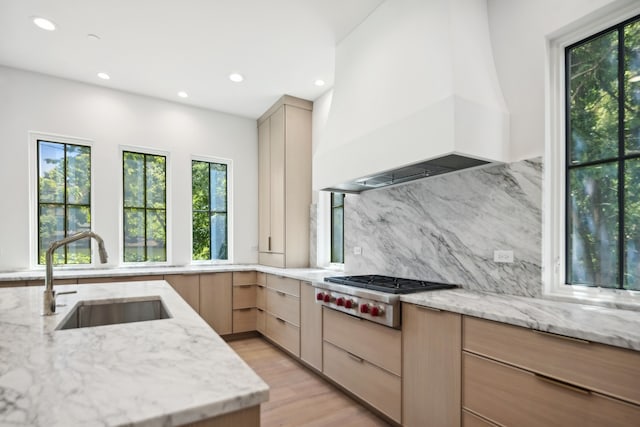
{"points": [[209, 189], [144, 207], [337, 228], [64, 200], [602, 234]]}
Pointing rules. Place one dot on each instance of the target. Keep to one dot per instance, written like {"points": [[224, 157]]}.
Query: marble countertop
{"points": [[155, 373], [611, 326], [308, 274]]}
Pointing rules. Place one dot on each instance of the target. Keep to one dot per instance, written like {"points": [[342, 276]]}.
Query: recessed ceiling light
{"points": [[319, 83], [44, 23], [104, 76], [236, 77], [93, 37], [183, 94]]}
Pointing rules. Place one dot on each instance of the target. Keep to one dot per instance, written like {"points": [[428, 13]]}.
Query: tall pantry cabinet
{"points": [[284, 152]]}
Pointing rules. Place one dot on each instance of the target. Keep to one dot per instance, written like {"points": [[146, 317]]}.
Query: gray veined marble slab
{"points": [[616, 327], [155, 373], [445, 229]]}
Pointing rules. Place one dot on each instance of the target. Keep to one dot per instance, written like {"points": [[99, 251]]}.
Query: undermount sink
{"points": [[98, 313]]}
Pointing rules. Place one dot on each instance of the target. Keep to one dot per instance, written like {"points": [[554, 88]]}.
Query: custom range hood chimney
{"points": [[416, 94]]}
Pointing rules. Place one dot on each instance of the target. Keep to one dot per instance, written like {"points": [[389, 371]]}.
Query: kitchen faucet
{"points": [[49, 302]]}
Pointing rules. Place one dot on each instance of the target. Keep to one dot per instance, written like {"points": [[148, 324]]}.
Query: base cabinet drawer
{"points": [[376, 343], [472, 420], [380, 388], [605, 369], [511, 396], [244, 296], [284, 284], [283, 333], [261, 297], [244, 320], [283, 306], [261, 320]]}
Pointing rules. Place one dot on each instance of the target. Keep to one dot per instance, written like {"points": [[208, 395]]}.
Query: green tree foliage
{"points": [[61, 213], [595, 160]]}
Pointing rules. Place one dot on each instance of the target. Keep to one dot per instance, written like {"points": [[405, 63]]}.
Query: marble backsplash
{"points": [[313, 235], [446, 228]]}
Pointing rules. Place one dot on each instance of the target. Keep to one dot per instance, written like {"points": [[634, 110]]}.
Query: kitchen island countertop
{"points": [[153, 373]]}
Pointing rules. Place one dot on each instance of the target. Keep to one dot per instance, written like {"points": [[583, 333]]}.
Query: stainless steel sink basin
{"points": [[98, 313]]}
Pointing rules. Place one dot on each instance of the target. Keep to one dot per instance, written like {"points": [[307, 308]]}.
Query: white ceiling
{"points": [[160, 47]]}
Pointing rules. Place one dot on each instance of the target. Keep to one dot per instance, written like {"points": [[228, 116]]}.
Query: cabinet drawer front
{"points": [[376, 386], [261, 321], [244, 296], [284, 306], [514, 397], [261, 299], [244, 278], [284, 284], [472, 420], [377, 344], [244, 320], [261, 278], [283, 333], [608, 370]]}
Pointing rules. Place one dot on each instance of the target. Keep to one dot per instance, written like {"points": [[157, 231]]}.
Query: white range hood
{"points": [[416, 86]]}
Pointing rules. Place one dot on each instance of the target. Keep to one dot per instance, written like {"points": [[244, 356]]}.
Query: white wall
{"points": [[519, 29], [35, 102]]}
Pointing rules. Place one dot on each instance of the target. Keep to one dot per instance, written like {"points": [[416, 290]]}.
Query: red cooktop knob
{"points": [[327, 298], [349, 303], [340, 301], [364, 308], [375, 311], [320, 296]]}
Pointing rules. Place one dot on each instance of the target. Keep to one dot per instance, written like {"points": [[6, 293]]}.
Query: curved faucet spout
{"points": [[49, 305]]}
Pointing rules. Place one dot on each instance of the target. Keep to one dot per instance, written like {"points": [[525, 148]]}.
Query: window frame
{"points": [[168, 233], [331, 227], [230, 205], [33, 139], [554, 253]]}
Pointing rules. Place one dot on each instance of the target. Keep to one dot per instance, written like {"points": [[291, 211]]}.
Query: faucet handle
{"points": [[55, 297], [66, 292]]}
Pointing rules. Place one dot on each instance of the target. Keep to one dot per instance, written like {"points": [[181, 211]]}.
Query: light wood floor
{"points": [[297, 397]]}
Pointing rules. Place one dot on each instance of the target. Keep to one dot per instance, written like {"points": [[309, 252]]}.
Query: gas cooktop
{"points": [[393, 285]]}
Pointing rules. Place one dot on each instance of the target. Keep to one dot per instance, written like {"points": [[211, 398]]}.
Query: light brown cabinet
{"points": [[310, 327], [282, 315], [431, 348], [519, 376], [187, 286], [13, 283], [261, 304], [244, 301], [284, 193], [215, 301], [365, 358]]}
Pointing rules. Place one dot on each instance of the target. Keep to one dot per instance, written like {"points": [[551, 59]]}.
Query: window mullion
{"points": [[65, 208], [144, 207], [621, 158]]}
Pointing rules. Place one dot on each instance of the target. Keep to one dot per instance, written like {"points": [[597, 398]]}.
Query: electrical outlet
{"points": [[357, 250], [503, 256]]}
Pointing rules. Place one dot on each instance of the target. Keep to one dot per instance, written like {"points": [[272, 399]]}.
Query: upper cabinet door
{"points": [[277, 210], [264, 185]]}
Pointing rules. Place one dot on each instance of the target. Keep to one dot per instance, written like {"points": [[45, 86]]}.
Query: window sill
{"points": [[610, 298], [334, 267]]}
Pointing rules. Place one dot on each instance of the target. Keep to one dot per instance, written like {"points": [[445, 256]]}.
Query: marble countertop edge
{"points": [[612, 326]]}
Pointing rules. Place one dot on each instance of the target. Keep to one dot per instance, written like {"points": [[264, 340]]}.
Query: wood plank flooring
{"points": [[297, 397]]}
